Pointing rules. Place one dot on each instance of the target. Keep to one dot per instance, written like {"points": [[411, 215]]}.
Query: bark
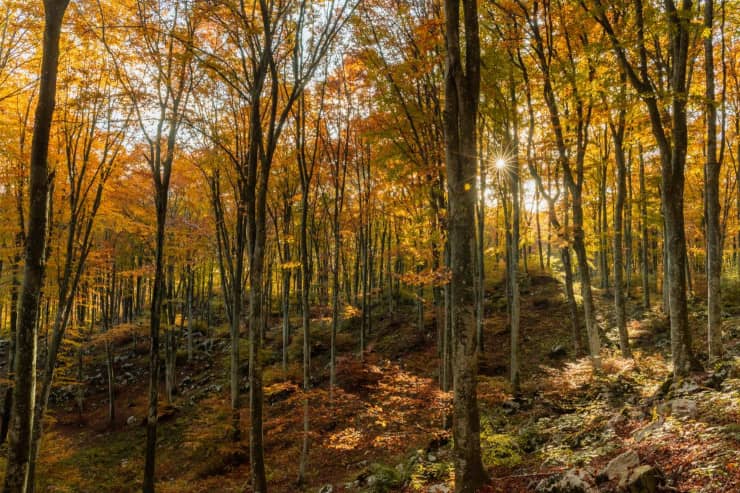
{"points": [[711, 200], [513, 266], [22, 410], [644, 266], [672, 147], [617, 131], [462, 87]]}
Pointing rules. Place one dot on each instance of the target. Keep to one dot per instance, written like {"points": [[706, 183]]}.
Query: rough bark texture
{"points": [[462, 87]]}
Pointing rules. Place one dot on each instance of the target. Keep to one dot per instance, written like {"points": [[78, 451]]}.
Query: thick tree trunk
{"points": [[256, 448], [579, 246], [462, 87], [22, 410], [155, 318]]}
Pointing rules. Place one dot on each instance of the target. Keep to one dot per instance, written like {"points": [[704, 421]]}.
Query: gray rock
{"points": [[648, 430], [439, 488], [131, 421], [683, 408], [573, 481], [432, 458], [622, 465], [327, 488], [642, 479]]}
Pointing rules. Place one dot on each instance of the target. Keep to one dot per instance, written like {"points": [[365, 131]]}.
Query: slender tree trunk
{"points": [[628, 250], [111, 383], [711, 203], [190, 288], [644, 267], [617, 131]]}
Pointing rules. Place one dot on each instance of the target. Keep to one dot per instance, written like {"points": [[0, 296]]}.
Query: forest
{"points": [[370, 246]]}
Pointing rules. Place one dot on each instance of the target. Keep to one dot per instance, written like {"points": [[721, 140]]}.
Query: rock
{"points": [[557, 352], [648, 430], [131, 421], [327, 488], [439, 488], [621, 466], [510, 406], [371, 480], [642, 479], [687, 387], [432, 458], [573, 481], [683, 407], [616, 421], [679, 408]]}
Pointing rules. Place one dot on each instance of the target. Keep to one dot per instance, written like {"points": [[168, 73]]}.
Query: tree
{"points": [[163, 31], [462, 88], [91, 140], [22, 414], [277, 51], [672, 141], [712, 195]]}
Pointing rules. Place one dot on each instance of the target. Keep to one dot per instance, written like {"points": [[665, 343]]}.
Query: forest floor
{"points": [[382, 429]]}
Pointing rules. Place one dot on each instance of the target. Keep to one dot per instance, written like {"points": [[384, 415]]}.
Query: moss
{"points": [[423, 473], [498, 449], [386, 478]]}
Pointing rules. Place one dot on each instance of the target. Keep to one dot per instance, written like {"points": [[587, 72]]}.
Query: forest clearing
{"points": [[370, 246]]}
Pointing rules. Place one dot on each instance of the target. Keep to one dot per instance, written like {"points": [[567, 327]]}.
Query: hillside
{"points": [[382, 429]]}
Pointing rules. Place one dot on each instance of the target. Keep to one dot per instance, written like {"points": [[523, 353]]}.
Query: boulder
{"points": [[572, 481], [327, 488], [558, 351], [616, 421], [642, 479], [131, 421], [439, 488], [621, 466], [683, 408]]}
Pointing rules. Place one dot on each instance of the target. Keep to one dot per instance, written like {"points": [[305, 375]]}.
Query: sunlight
{"points": [[500, 164]]}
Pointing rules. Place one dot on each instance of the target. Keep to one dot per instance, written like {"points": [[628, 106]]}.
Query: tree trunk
{"points": [[111, 383], [579, 247], [711, 201], [462, 87], [154, 324], [22, 410], [617, 131], [644, 267]]}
